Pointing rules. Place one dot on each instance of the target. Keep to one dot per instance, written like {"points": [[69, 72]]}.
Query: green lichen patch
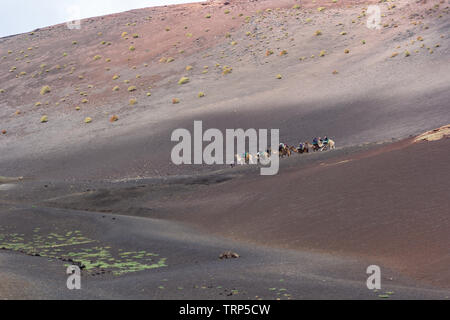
{"points": [[74, 248]]}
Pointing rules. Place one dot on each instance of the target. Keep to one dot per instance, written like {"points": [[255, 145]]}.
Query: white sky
{"points": [[19, 16]]}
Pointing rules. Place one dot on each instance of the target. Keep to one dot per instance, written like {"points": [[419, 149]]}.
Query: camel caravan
{"points": [[284, 150]]}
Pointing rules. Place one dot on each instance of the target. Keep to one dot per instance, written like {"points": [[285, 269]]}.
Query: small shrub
{"points": [[394, 55], [44, 119], [44, 90], [133, 102], [201, 94], [170, 59], [226, 70], [407, 53], [183, 80], [97, 57], [175, 101], [124, 34], [84, 101], [283, 53], [189, 68], [132, 88], [318, 33], [322, 53], [135, 36], [208, 16], [88, 120], [37, 104], [116, 88], [114, 118], [132, 48], [279, 76]]}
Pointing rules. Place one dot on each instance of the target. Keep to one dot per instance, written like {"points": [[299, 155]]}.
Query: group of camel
{"points": [[286, 151]]}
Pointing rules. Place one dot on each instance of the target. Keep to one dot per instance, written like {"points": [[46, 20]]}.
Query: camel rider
{"points": [[282, 146], [315, 142], [300, 147], [325, 140]]}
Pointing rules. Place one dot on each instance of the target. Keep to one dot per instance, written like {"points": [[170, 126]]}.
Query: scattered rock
{"points": [[229, 255]]}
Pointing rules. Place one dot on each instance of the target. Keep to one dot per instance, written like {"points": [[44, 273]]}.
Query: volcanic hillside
{"points": [[122, 83]]}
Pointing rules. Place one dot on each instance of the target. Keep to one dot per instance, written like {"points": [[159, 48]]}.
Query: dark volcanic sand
{"points": [[330, 230]]}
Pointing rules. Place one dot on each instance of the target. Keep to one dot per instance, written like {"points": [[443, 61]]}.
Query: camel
{"points": [[319, 146], [285, 151], [303, 149], [331, 144], [249, 158], [239, 159], [262, 155], [246, 158]]}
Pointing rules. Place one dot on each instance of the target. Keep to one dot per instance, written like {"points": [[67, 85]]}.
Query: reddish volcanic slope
{"points": [[389, 83]]}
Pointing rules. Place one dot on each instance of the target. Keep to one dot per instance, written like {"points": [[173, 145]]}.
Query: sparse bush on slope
{"points": [[44, 90], [183, 80]]}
